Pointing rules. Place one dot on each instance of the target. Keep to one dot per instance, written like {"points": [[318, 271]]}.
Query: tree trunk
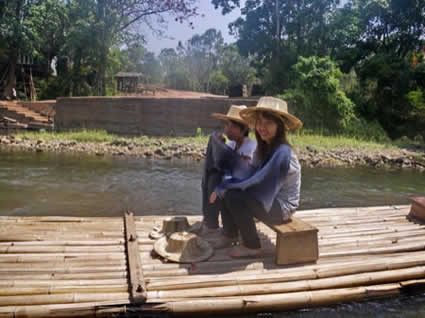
{"points": [[101, 85], [76, 78], [11, 77]]}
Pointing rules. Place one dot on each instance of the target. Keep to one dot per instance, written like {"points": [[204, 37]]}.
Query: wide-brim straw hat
{"points": [[183, 247], [277, 107], [232, 114], [169, 226]]}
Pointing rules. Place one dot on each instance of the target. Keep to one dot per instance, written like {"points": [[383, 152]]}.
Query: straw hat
{"points": [[232, 114], [169, 226], [183, 247], [275, 106]]}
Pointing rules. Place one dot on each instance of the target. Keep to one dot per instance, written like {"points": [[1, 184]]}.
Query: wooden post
{"points": [[137, 285]]}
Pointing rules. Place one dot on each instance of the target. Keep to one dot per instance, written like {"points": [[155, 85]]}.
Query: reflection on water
{"points": [[54, 184]]}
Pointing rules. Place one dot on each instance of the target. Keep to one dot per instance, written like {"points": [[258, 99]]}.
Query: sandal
{"points": [[240, 251]]}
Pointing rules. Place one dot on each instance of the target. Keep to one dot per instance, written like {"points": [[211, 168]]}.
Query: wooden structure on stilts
{"points": [[86, 266]]}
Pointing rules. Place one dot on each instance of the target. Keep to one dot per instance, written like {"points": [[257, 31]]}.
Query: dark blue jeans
{"points": [[210, 211], [238, 210], [210, 179]]}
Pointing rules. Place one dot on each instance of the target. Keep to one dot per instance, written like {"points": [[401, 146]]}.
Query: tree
{"points": [[218, 83], [151, 68], [202, 55], [176, 74], [108, 23], [276, 32], [388, 33], [28, 28], [317, 96], [236, 68]]}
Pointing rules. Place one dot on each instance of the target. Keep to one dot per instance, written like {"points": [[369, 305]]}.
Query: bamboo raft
{"points": [[86, 266]]}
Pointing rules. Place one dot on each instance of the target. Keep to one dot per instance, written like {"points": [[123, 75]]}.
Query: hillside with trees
{"points": [[352, 67]]}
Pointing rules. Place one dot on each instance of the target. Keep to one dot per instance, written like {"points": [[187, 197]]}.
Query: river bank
{"points": [[312, 151]]}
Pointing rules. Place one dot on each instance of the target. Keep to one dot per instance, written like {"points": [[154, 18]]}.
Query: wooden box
{"points": [[417, 210], [296, 242]]}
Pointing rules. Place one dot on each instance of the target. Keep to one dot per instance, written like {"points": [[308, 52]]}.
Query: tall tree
{"points": [[202, 55], [110, 22], [389, 32], [278, 31], [236, 67], [26, 27]]}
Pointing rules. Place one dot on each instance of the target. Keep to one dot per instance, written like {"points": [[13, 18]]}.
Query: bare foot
{"points": [[241, 251], [223, 241]]}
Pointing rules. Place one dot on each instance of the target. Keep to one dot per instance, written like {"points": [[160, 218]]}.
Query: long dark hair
{"points": [[264, 150]]}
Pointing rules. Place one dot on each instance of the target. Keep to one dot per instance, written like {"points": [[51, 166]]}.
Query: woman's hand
{"points": [[213, 197]]}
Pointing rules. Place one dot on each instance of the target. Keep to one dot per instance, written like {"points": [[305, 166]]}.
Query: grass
{"points": [[320, 142], [101, 136], [301, 141], [95, 136]]}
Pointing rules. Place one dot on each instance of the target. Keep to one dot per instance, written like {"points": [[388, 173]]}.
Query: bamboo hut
{"points": [[86, 266]]}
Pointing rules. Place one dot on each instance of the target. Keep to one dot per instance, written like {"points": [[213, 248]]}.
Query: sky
{"points": [[208, 18]]}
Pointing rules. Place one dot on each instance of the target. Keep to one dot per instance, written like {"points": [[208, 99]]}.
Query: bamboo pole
{"points": [[60, 298], [55, 219], [368, 278], [137, 285], [349, 211], [276, 302], [61, 249], [392, 249], [66, 269], [374, 237], [74, 282], [16, 291], [289, 274], [93, 309], [65, 262], [60, 257], [371, 242], [65, 243], [61, 276]]}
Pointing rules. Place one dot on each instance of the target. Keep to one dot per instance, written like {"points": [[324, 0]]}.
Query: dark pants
{"points": [[210, 211], [238, 211], [211, 178]]}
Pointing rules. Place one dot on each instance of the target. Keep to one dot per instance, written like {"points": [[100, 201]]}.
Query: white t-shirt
{"points": [[247, 147]]}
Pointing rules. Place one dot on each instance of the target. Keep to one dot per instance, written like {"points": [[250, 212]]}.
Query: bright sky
{"points": [[182, 32]]}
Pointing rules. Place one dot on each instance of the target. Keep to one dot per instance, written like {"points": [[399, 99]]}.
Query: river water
{"points": [[45, 184]]}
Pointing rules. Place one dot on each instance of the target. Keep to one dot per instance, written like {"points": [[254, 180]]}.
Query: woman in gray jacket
{"points": [[272, 194]]}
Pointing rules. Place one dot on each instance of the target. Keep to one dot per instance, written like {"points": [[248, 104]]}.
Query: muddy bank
{"points": [[163, 149]]}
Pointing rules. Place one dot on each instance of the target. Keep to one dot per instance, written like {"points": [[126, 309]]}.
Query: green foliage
{"points": [[83, 135], [218, 83], [52, 88], [417, 101], [32, 29], [302, 139], [375, 38], [369, 131], [205, 59], [199, 133], [385, 85], [201, 56], [236, 67], [316, 95]]}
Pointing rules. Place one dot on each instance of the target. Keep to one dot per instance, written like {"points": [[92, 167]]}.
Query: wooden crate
{"points": [[296, 242], [417, 210]]}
